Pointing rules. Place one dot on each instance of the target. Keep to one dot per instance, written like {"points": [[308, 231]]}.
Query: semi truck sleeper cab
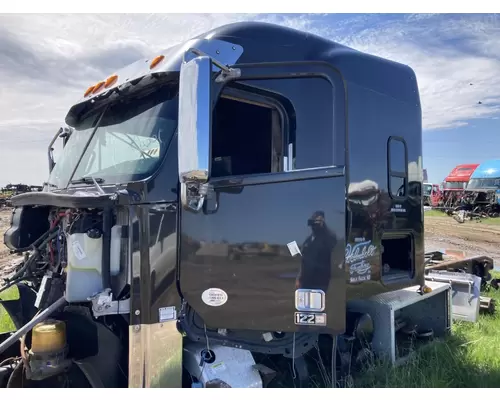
{"points": [[227, 198]]}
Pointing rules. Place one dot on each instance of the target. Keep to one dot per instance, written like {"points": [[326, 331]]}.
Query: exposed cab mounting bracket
{"points": [[103, 304], [194, 194]]}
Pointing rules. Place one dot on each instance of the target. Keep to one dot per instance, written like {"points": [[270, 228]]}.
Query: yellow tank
{"points": [[48, 336]]}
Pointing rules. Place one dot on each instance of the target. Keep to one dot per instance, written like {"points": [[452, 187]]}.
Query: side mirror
{"points": [[63, 133], [194, 130]]}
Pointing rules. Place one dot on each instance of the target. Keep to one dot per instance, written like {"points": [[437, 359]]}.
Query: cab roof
{"points": [[264, 42]]}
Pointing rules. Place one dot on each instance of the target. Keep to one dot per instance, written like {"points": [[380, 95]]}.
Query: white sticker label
{"points": [[268, 336], [214, 297], [167, 314], [41, 291], [78, 250], [294, 248]]}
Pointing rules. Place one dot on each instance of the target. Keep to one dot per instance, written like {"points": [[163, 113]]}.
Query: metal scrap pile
{"points": [[471, 204]]}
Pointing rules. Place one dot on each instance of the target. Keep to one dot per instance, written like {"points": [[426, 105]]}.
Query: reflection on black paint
{"points": [[163, 255], [315, 269], [242, 249]]}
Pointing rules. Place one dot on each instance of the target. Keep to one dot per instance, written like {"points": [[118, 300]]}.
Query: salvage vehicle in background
{"points": [[431, 194], [454, 185], [482, 195]]}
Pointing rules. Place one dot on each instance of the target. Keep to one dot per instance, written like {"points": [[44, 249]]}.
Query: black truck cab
{"points": [[262, 177]]}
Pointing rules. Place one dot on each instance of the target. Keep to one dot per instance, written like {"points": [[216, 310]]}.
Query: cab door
{"points": [[266, 251]]}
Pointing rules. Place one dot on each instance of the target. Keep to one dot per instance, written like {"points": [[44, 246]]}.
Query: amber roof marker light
{"points": [[110, 81], [156, 61], [89, 91], [98, 87]]}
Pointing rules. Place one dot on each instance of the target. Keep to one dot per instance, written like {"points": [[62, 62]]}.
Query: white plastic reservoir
{"points": [[84, 268]]}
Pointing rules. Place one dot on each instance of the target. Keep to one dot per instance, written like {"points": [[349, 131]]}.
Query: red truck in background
{"points": [[459, 177], [455, 183], [432, 194]]}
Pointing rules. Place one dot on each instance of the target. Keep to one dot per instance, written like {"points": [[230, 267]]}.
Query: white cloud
{"points": [[46, 61], [448, 53]]}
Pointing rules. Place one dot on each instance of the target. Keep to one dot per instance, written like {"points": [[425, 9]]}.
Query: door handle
{"points": [[211, 203]]}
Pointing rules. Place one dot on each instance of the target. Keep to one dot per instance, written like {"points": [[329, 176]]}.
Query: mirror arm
{"points": [[226, 74], [50, 149], [63, 133]]}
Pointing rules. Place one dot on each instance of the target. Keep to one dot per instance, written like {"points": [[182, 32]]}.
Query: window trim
{"points": [[295, 70], [397, 174]]}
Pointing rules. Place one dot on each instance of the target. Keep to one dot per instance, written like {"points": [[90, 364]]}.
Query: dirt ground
{"points": [[441, 233], [7, 262], [5, 215], [473, 238]]}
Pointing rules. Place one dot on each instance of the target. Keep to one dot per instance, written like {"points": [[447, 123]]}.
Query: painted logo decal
{"points": [[359, 251], [356, 256]]}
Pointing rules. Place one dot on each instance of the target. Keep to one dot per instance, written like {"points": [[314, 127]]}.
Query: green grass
{"points": [[6, 324], [486, 221], [434, 213], [469, 357]]}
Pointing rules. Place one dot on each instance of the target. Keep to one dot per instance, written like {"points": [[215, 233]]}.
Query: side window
{"points": [[245, 135], [397, 164], [274, 125]]}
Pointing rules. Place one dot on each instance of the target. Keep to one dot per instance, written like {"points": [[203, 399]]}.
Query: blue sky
{"points": [[474, 143], [47, 61]]}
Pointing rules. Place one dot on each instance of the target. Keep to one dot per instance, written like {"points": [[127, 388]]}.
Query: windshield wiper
{"points": [[90, 180]]}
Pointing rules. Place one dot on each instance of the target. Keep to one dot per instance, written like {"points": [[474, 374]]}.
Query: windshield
{"points": [[484, 183], [129, 143], [455, 185], [427, 190]]}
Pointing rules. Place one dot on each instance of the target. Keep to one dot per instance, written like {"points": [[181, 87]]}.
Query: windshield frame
{"points": [[144, 109]]}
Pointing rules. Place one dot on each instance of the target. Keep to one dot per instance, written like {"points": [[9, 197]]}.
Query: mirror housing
{"points": [[195, 120], [194, 130], [195, 125]]}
